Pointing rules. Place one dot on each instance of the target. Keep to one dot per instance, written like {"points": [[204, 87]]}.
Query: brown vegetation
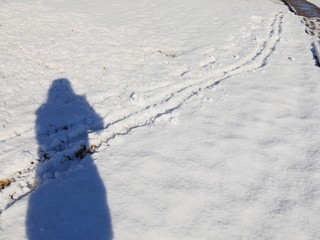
{"points": [[4, 183]]}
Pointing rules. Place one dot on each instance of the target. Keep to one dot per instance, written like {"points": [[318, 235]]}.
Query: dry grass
{"points": [[4, 183]]}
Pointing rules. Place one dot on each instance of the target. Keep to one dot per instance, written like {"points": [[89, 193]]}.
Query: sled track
{"points": [[177, 95], [149, 114]]}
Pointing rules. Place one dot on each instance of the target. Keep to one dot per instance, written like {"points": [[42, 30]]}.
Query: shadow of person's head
{"points": [[60, 91]]}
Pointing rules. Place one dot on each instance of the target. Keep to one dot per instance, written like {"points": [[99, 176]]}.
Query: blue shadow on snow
{"points": [[71, 204]]}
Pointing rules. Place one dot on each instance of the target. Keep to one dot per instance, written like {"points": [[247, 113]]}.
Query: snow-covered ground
{"points": [[206, 114]]}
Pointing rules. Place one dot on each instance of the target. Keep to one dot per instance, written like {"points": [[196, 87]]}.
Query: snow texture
{"points": [[205, 118]]}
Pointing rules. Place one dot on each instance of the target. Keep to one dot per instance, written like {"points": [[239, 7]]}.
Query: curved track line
{"points": [[149, 114]]}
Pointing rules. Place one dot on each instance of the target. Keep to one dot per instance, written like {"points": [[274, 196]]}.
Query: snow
{"points": [[205, 115]]}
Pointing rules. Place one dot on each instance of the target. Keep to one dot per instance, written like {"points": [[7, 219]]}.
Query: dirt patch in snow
{"points": [[303, 8]]}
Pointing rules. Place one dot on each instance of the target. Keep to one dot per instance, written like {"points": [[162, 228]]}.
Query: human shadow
{"points": [[71, 203]]}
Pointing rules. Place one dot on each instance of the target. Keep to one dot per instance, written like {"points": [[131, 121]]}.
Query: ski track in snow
{"points": [[175, 99], [171, 99]]}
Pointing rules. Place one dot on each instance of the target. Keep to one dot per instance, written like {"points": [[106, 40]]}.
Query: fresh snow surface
{"points": [[206, 114]]}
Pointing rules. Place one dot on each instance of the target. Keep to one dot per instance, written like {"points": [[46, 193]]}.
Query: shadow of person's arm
{"points": [[95, 121]]}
